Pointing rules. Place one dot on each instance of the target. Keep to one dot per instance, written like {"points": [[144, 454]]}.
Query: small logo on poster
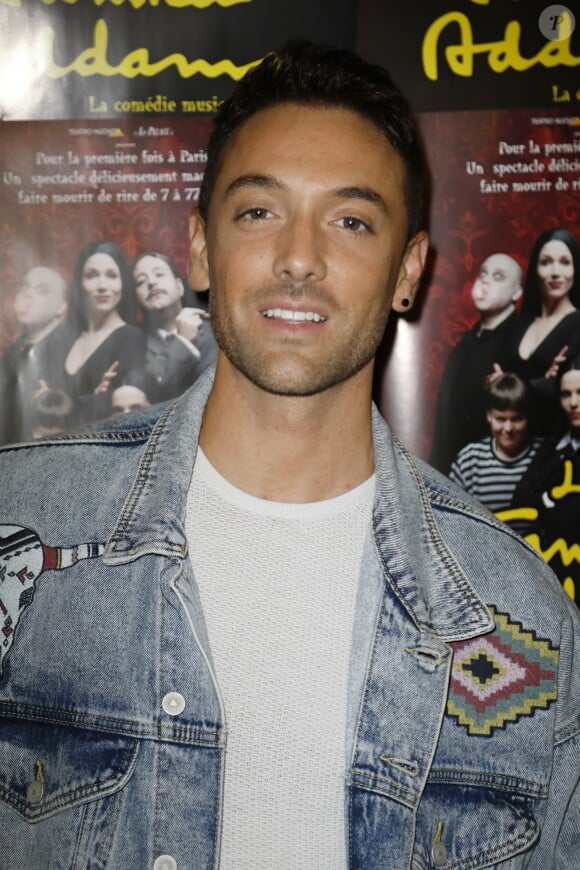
{"points": [[557, 22]]}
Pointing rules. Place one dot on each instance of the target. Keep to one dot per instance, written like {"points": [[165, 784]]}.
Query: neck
{"points": [[164, 319], [490, 321], [104, 323], [36, 333], [556, 307], [289, 448]]}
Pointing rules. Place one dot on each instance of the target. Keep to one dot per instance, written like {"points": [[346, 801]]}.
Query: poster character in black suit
{"points": [[180, 342]]}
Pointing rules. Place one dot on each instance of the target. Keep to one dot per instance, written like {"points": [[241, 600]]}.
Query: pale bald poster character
{"points": [[37, 356], [460, 411]]}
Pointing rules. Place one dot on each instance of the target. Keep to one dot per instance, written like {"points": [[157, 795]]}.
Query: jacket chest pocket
{"points": [[60, 794], [465, 828]]}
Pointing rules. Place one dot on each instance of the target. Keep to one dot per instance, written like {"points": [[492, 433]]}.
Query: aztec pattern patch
{"points": [[23, 558], [501, 677]]}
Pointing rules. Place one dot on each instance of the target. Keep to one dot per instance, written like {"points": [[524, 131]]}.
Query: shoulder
{"points": [[74, 485], [129, 332], [124, 430]]}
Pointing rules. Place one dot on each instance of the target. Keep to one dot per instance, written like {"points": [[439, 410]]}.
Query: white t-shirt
{"points": [[278, 585]]}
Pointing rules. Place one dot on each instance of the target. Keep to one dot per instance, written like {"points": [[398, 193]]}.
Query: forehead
{"points": [[556, 248], [570, 380], [41, 278], [101, 260], [150, 262], [317, 146], [498, 261]]}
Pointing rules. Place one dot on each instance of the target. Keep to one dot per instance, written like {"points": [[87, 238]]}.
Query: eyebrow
{"points": [[267, 181], [367, 194], [270, 182]]}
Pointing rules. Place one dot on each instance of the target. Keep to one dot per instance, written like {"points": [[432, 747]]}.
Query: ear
{"points": [[517, 293], [488, 417], [410, 272], [181, 287], [198, 262]]}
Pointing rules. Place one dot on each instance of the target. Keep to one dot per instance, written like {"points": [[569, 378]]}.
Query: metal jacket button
{"points": [[173, 703], [439, 854], [35, 789], [165, 862], [438, 848]]}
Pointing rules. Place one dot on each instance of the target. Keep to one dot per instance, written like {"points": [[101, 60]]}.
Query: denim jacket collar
{"points": [[416, 561]]}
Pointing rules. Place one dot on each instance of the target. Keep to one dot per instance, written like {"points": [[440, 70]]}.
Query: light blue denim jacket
{"points": [[463, 737]]}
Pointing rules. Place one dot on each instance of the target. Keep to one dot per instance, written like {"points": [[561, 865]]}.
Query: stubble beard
{"points": [[284, 372]]}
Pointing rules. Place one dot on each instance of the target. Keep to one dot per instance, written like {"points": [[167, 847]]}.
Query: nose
{"points": [[508, 426], [300, 251]]}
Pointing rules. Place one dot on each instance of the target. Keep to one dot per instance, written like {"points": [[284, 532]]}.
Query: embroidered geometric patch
{"points": [[23, 558], [501, 677]]}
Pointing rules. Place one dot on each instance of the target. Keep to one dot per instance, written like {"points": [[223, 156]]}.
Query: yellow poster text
{"points": [[95, 61], [502, 55]]}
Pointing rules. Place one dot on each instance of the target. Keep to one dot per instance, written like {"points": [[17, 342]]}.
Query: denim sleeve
{"points": [[559, 846]]}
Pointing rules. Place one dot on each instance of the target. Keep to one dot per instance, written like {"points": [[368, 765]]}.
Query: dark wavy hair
{"points": [[77, 312], [313, 75], [532, 304], [159, 256]]}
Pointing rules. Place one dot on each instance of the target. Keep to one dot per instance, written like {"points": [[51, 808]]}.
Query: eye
{"points": [[257, 213], [354, 225]]}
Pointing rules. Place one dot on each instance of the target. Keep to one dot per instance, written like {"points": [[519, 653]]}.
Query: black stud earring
{"points": [[405, 302]]}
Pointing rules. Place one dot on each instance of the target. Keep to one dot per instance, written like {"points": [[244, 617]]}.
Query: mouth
{"points": [[289, 315]]}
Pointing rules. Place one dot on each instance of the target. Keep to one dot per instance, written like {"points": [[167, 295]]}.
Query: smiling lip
{"points": [[293, 315]]}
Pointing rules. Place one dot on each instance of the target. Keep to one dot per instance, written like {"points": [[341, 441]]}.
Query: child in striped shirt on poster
{"points": [[490, 469]]}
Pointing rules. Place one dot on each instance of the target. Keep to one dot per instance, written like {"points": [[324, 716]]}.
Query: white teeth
{"points": [[289, 314]]}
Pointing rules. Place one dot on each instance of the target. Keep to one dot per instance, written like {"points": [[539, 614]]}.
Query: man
{"points": [[180, 343], [460, 413], [37, 355], [300, 646]]}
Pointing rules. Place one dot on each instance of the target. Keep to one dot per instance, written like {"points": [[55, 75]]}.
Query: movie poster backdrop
{"points": [[496, 88], [106, 111]]}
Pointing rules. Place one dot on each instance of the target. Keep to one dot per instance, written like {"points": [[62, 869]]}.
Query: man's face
{"points": [[40, 299], [510, 430], [155, 284], [497, 285], [305, 237]]}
